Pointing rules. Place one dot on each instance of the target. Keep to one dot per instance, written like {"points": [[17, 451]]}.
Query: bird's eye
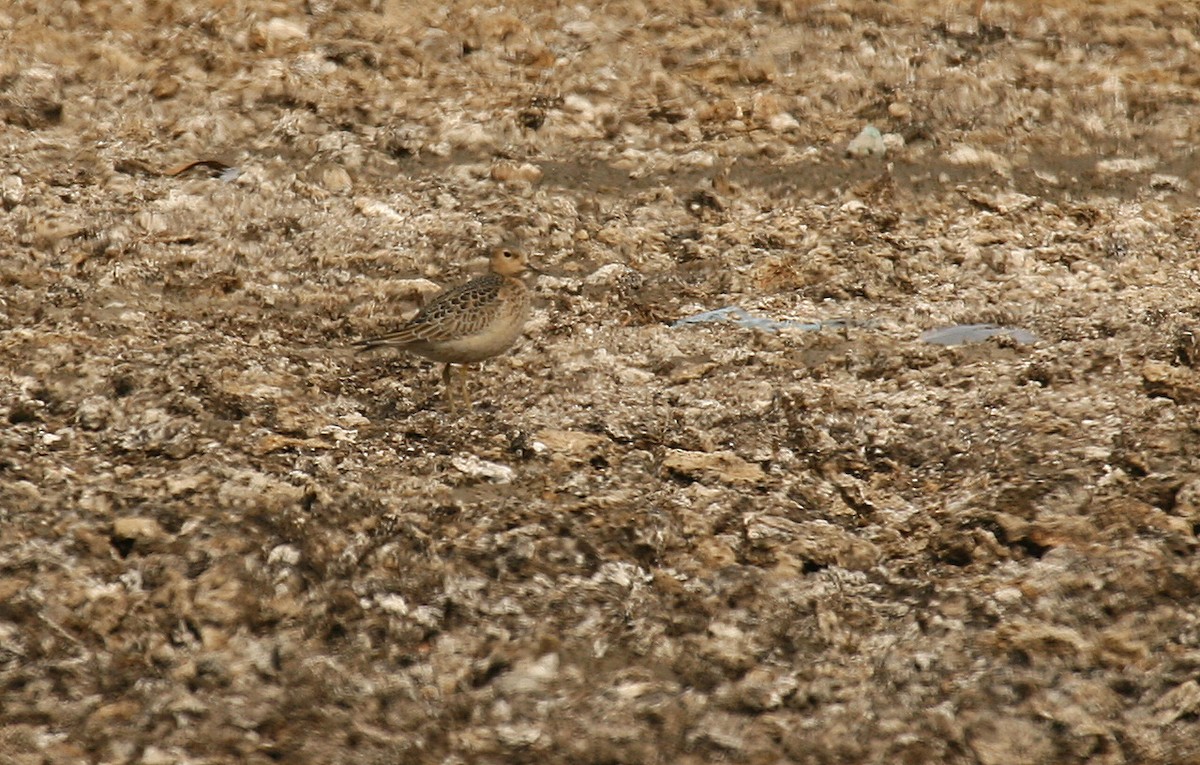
{"points": [[507, 253]]}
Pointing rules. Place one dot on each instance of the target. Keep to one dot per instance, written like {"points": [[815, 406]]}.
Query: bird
{"points": [[469, 323]]}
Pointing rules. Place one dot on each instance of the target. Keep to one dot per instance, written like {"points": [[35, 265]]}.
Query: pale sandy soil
{"points": [[226, 539]]}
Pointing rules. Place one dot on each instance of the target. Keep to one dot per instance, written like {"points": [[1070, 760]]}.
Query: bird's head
{"points": [[509, 261]]}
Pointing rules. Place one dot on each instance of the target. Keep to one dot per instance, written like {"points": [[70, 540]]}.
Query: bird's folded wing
{"points": [[459, 312], [450, 316]]}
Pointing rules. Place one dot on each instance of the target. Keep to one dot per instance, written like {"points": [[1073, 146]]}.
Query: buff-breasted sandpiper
{"points": [[469, 323]]}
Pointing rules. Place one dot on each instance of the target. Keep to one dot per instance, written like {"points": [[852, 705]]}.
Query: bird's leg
{"points": [[447, 387], [465, 389]]}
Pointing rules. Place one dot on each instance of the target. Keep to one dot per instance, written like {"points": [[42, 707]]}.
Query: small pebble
{"points": [[868, 143]]}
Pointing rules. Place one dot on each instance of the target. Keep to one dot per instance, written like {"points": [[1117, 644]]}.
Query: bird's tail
{"points": [[390, 340]]}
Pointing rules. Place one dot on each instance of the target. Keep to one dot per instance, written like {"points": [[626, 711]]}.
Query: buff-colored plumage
{"points": [[470, 323]]}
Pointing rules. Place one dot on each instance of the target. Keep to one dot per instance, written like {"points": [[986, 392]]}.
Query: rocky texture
{"points": [[226, 539]]}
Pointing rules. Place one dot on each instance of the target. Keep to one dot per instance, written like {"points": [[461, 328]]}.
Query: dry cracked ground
{"points": [[226, 538]]}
